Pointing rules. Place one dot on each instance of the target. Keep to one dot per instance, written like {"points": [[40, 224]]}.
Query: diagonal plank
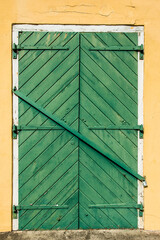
{"points": [[109, 171], [96, 189], [71, 202], [124, 140], [113, 187], [99, 95], [114, 95], [56, 105], [132, 56], [47, 61], [62, 194], [107, 61], [32, 193]]}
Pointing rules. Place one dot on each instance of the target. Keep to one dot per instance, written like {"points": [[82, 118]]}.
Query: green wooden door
{"points": [[65, 181]]}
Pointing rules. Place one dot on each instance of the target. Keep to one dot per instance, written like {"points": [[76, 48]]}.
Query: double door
{"points": [[77, 130]]}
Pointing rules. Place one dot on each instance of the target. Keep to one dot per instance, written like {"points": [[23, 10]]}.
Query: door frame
{"points": [[77, 28]]}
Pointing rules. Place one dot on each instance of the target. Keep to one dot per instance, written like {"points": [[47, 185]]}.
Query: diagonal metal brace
{"points": [[78, 135]]}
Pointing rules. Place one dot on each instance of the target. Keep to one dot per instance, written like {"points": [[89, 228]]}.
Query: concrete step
{"points": [[81, 235]]}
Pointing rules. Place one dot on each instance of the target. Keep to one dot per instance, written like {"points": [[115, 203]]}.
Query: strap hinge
{"points": [[38, 207], [139, 49], [122, 127], [121, 205], [20, 47]]}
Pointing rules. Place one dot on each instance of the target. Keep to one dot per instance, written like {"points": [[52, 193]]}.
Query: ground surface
{"points": [[82, 235]]}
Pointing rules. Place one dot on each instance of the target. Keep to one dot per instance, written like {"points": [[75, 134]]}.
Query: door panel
{"points": [[108, 89], [48, 159]]}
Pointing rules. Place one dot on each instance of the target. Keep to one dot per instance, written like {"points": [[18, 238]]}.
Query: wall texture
{"points": [[111, 12]]}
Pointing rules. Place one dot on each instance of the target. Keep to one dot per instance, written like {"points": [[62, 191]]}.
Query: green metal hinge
{"points": [[36, 207], [20, 47], [121, 205], [17, 129], [122, 48], [122, 127]]}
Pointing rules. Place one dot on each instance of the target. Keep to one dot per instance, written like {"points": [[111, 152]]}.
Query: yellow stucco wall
{"points": [[132, 12]]}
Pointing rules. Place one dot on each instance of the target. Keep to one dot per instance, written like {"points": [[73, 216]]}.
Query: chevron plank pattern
{"points": [[85, 89]]}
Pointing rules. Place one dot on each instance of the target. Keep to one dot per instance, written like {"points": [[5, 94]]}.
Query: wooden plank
{"points": [[64, 99], [61, 194], [30, 193], [99, 215], [50, 155], [110, 63], [114, 179], [89, 116], [123, 217], [105, 99], [112, 95], [59, 215]]}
